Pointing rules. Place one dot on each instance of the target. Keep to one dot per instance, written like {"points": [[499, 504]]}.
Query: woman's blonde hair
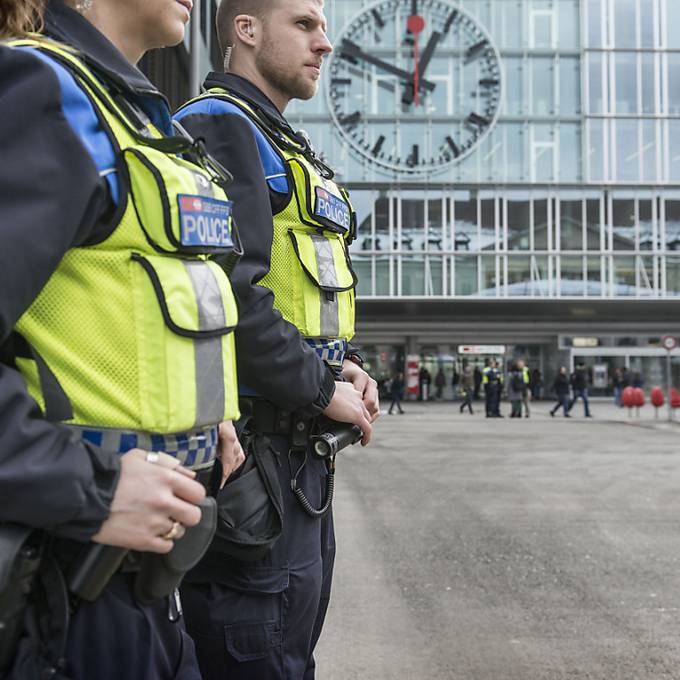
{"points": [[18, 17]]}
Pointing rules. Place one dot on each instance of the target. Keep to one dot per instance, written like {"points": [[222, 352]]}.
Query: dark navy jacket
{"points": [[273, 360], [57, 191]]}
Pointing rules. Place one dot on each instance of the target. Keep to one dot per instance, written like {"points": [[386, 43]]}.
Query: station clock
{"points": [[414, 85]]}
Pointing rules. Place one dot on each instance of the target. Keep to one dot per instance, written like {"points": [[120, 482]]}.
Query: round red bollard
{"points": [[657, 397], [638, 397], [675, 398], [628, 397]]}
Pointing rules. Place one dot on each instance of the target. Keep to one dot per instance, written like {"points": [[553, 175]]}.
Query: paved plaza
{"points": [[480, 549]]}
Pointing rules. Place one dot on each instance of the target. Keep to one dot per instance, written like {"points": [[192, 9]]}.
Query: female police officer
{"points": [[114, 324]]}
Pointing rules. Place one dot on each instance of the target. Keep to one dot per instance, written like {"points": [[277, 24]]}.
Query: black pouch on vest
{"points": [[159, 575], [250, 506]]}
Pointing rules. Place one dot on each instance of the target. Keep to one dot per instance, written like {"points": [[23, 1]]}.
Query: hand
{"points": [[149, 499], [365, 384], [347, 406], [230, 451]]}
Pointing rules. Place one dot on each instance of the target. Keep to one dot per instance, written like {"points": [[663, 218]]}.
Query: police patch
{"points": [[205, 222], [332, 208]]}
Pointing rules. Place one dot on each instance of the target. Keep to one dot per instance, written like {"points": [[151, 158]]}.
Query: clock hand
{"points": [[353, 50], [415, 25], [412, 92]]}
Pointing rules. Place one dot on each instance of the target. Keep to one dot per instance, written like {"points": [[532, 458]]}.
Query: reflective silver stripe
{"points": [[329, 318], [210, 398]]}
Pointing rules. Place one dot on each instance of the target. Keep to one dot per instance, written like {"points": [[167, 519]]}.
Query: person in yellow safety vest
{"points": [[526, 378], [296, 286], [117, 362]]}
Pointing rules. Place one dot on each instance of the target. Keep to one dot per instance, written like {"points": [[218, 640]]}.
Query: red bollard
{"points": [[675, 398], [638, 399], [628, 399], [657, 399]]}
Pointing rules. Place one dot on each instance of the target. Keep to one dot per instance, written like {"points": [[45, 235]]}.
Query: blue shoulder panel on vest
{"points": [[83, 119], [274, 169]]}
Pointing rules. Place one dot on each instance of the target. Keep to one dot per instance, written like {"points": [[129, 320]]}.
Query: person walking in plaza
{"points": [[467, 386], [617, 385], [579, 383], [101, 375], [526, 395], [561, 389], [261, 618], [478, 379], [424, 380], [536, 384], [516, 387], [440, 383], [396, 392]]}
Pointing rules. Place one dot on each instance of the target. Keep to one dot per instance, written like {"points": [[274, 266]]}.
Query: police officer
{"points": [[113, 329], [487, 384], [296, 288]]}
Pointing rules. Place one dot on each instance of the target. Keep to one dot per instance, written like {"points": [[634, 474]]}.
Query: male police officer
{"points": [[296, 289]]}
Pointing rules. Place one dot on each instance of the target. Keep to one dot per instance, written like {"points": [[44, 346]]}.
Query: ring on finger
{"points": [[177, 531]]}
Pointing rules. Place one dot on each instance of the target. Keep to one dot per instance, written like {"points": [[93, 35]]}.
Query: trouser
{"points": [[525, 403], [396, 401], [115, 638], [516, 411], [563, 401], [495, 400], [261, 620], [467, 401], [488, 399], [583, 394]]}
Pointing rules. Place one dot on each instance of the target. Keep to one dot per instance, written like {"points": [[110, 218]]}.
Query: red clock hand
{"points": [[416, 25]]}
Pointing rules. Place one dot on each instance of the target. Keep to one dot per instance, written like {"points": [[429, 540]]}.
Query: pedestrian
{"points": [[561, 388], [525, 386], [424, 380], [536, 384], [492, 379], [100, 371], [467, 387], [440, 383], [579, 383], [295, 284], [637, 380], [397, 392], [617, 380], [478, 379], [516, 388]]}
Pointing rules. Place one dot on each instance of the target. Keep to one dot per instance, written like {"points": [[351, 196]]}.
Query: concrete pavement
{"points": [[480, 549]]}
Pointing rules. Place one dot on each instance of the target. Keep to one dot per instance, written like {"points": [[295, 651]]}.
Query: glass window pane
{"points": [[672, 23], [628, 155], [593, 222], [596, 98], [519, 213], [571, 270], [540, 277], [433, 271], [541, 30], [674, 83], [569, 22], [646, 224], [412, 275], [571, 225], [382, 275], [594, 23], [623, 223], [672, 225], [570, 87], [362, 267], [466, 276], [541, 224], [673, 276], [465, 222], [674, 150], [542, 70], [489, 283], [625, 22], [647, 23], [512, 21], [594, 284], [519, 276], [514, 91], [624, 276], [648, 88], [649, 150], [596, 150], [570, 152], [515, 154], [626, 83], [488, 222]]}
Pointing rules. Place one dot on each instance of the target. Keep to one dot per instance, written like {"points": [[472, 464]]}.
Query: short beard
{"points": [[293, 85]]}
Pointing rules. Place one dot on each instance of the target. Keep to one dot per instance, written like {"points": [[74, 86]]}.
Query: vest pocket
{"points": [[185, 312]]}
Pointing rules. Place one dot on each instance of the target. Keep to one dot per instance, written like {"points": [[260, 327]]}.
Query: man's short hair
{"points": [[229, 9]]}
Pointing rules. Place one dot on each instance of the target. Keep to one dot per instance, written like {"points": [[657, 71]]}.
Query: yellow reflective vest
{"points": [[136, 331], [311, 273]]}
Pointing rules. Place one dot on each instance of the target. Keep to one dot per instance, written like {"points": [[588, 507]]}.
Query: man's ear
{"points": [[245, 28]]}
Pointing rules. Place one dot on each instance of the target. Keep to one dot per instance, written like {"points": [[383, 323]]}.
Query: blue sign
{"points": [[332, 208], [205, 222]]}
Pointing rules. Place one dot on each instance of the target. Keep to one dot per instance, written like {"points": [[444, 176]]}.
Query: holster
{"points": [[160, 575], [19, 563]]}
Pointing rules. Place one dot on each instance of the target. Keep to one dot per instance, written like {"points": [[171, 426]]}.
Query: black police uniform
{"points": [[52, 198], [260, 620]]}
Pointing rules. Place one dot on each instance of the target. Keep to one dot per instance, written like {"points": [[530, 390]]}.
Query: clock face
{"points": [[414, 85]]}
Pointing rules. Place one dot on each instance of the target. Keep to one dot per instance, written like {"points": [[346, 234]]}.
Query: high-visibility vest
{"points": [[311, 273], [135, 332]]}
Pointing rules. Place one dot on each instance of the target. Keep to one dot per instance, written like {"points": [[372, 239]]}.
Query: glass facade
{"points": [[575, 190]]}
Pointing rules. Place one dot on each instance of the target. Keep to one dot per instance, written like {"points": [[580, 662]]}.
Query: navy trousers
{"points": [[261, 620], [115, 638]]}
